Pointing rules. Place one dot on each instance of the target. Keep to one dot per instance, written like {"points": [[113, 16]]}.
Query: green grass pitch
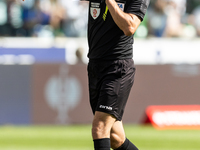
{"points": [[78, 137]]}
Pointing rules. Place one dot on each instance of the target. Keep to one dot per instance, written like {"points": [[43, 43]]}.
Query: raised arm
{"points": [[127, 22]]}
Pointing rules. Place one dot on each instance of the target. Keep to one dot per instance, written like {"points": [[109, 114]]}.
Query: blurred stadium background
{"points": [[43, 63]]}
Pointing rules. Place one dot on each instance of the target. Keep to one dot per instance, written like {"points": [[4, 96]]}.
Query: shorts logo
{"points": [[95, 10], [105, 107]]}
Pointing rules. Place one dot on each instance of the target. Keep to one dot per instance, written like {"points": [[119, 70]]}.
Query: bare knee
{"points": [[101, 125], [117, 135], [99, 130], [116, 141]]}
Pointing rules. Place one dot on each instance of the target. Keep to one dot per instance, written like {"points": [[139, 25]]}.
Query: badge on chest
{"points": [[95, 10]]}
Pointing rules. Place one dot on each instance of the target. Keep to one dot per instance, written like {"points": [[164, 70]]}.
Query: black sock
{"points": [[127, 145], [102, 144]]}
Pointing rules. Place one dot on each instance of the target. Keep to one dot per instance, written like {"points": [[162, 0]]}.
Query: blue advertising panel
{"points": [[15, 94], [40, 55]]}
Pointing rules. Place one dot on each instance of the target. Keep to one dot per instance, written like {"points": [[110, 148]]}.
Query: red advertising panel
{"points": [[174, 116]]}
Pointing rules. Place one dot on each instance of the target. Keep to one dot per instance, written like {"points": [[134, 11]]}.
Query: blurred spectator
{"points": [[168, 18], [76, 21], [157, 18], [57, 17], [79, 55], [196, 14], [174, 11], [193, 15], [10, 20], [34, 18], [50, 18]]}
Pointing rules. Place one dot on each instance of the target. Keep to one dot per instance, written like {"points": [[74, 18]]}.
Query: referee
{"points": [[111, 70]]}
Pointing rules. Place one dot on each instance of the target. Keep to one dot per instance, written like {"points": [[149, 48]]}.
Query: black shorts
{"points": [[110, 83]]}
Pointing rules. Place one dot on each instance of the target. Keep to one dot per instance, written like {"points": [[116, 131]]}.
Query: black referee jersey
{"points": [[106, 40]]}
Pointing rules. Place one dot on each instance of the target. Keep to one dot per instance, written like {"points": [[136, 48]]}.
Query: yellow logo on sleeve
{"points": [[105, 13]]}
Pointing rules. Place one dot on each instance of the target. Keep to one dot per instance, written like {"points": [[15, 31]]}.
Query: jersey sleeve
{"points": [[138, 7]]}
